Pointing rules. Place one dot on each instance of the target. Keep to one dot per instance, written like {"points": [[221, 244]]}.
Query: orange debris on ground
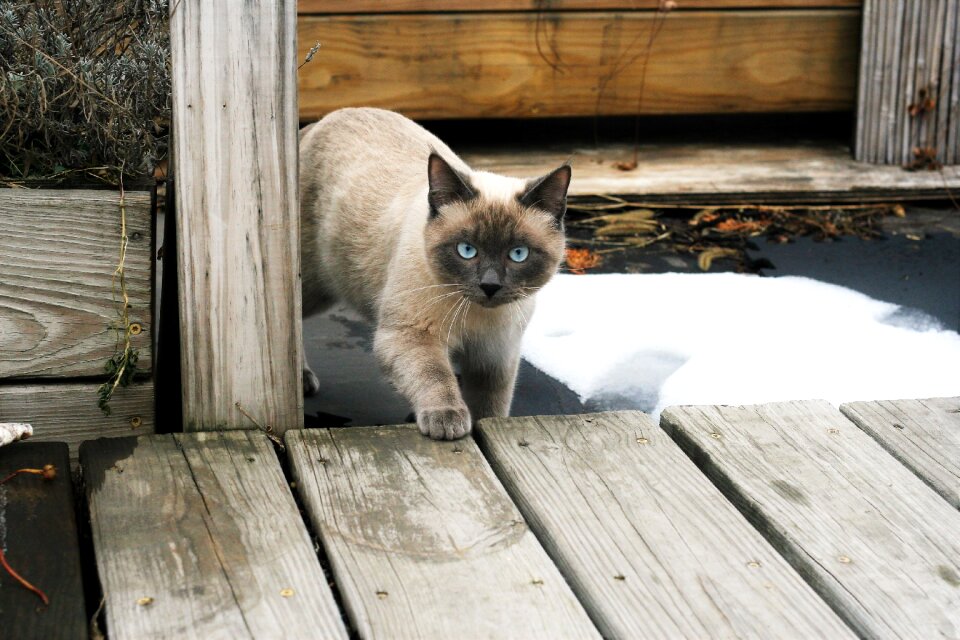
{"points": [[579, 260]]}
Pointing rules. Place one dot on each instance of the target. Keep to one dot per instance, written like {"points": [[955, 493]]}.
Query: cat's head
{"points": [[499, 240]]}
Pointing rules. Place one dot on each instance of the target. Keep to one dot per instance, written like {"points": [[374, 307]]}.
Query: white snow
{"points": [[651, 341]]}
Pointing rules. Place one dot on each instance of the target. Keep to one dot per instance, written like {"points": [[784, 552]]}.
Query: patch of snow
{"points": [[650, 341]]}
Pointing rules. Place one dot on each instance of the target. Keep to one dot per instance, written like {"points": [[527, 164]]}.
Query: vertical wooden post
{"points": [[907, 106], [235, 158]]}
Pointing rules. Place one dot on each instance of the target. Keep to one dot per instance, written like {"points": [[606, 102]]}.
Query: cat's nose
{"points": [[490, 288]]}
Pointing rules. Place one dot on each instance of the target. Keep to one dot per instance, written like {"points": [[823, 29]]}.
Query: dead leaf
{"points": [[706, 258], [579, 260]]}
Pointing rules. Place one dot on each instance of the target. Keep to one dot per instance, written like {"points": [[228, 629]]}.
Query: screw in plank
{"points": [[753, 564], [844, 559], [642, 441], [537, 582], [145, 601], [136, 422], [286, 593], [897, 425], [136, 329], [715, 435], [382, 594]]}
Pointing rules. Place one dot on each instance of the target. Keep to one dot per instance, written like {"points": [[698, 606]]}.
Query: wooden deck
{"points": [[784, 520]]}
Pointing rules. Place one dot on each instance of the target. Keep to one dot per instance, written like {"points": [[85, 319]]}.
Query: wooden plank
{"points": [[238, 231], [715, 173], [429, 6], [69, 413], [865, 86], [58, 253], [648, 544], [492, 64], [943, 94], [38, 534], [423, 540], [870, 536], [204, 526], [953, 136], [922, 434]]}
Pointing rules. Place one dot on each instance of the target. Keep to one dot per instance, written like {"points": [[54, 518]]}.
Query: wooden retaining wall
{"points": [[59, 301], [515, 58]]}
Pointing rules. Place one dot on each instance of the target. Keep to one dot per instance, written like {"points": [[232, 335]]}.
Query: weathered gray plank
{"points": [[198, 536], [715, 173], [424, 541], [235, 151], [649, 545], [58, 253], [922, 434], [870, 536], [68, 412]]}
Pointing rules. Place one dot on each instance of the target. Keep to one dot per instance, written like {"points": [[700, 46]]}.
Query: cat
{"points": [[443, 260]]}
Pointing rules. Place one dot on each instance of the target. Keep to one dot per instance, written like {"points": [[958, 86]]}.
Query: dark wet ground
{"points": [[915, 264]]}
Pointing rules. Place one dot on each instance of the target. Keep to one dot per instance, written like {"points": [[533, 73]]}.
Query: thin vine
{"points": [[122, 366]]}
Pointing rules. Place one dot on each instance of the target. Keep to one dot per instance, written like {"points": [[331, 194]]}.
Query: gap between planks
{"points": [[198, 536], [877, 544], [649, 545]]}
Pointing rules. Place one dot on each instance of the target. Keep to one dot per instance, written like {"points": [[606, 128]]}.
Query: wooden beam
{"points": [[38, 530], [718, 173], [429, 6], [648, 544], [922, 434], [59, 250], [198, 536], [878, 545], [235, 152], [580, 63], [423, 540], [69, 413]]}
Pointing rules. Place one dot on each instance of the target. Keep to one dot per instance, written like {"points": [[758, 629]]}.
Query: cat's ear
{"points": [[549, 192], [446, 185]]}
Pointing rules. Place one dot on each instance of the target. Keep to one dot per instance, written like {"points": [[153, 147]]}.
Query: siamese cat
{"points": [[444, 260]]}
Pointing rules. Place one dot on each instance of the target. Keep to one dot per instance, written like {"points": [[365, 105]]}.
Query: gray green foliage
{"points": [[84, 87]]}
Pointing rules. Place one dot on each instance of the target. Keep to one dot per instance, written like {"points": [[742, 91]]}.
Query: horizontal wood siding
{"points": [[69, 413], [426, 6], [580, 63], [58, 301]]}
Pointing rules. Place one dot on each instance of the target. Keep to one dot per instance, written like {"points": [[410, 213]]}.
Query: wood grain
{"points": [[908, 56], [580, 63], [205, 526], [718, 173], [878, 545], [58, 253], [68, 412], [649, 545], [922, 434], [38, 533], [235, 152], [423, 540], [427, 6]]}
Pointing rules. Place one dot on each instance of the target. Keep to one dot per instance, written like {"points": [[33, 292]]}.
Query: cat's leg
{"points": [[489, 373], [419, 367]]}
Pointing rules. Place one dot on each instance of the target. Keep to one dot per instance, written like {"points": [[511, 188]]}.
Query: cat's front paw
{"points": [[446, 423], [311, 383]]}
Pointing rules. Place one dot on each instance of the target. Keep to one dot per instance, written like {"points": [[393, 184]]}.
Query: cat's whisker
{"points": [[429, 286], [453, 320], [443, 320], [433, 301]]}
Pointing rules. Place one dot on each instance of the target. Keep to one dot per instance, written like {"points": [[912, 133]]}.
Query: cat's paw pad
{"points": [[311, 383], [447, 423]]}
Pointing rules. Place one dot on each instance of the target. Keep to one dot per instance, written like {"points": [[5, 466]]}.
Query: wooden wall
{"points": [[514, 58], [58, 253]]}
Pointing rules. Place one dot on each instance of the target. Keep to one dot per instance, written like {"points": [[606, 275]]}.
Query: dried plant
{"points": [[84, 87]]}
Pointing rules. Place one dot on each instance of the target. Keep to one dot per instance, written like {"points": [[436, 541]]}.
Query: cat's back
{"points": [[362, 177]]}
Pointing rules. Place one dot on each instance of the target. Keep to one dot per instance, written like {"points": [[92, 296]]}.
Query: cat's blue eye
{"points": [[519, 254], [466, 250]]}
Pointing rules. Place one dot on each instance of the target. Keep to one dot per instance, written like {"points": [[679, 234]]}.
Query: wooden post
{"points": [[907, 111], [238, 250]]}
